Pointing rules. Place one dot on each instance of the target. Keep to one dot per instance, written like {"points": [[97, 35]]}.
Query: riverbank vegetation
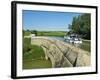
{"points": [[81, 25], [86, 45]]}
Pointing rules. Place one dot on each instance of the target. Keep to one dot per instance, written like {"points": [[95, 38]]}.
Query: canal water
{"points": [[62, 39], [56, 38]]}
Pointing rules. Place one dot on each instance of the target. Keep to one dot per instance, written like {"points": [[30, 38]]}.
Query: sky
{"points": [[47, 20]]}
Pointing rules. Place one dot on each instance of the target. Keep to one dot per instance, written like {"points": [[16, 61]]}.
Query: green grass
{"points": [[46, 33], [34, 64], [86, 45], [35, 52], [51, 33], [27, 33], [33, 56]]}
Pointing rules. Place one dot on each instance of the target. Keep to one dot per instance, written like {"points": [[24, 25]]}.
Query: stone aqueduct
{"points": [[62, 54]]}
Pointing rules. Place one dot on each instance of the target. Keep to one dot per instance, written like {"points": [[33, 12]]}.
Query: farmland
{"points": [[46, 33]]}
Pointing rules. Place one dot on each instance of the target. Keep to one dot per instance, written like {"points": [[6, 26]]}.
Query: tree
{"points": [[27, 30], [34, 32], [81, 25]]}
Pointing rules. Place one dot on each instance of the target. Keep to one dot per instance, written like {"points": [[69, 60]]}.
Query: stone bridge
{"points": [[62, 54]]}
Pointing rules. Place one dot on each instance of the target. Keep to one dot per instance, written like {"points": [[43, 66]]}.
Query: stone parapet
{"points": [[62, 54]]}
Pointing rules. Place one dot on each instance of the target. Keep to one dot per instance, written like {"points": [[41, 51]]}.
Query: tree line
{"points": [[81, 25]]}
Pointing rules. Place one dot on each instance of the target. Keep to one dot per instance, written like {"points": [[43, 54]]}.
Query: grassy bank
{"points": [[36, 64], [33, 56], [86, 45]]}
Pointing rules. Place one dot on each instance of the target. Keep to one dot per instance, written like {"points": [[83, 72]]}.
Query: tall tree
{"points": [[81, 25]]}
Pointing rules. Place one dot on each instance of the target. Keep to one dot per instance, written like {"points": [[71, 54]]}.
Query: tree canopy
{"points": [[81, 25]]}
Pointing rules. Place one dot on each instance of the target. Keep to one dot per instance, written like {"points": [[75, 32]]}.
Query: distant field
{"points": [[33, 56], [47, 33], [53, 33]]}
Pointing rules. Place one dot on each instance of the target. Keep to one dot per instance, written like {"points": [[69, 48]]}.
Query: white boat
{"points": [[73, 38]]}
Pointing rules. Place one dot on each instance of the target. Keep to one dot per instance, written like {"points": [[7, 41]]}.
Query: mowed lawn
{"points": [[33, 56]]}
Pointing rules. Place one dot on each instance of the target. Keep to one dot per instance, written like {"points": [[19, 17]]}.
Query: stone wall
{"points": [[62, 54]]}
